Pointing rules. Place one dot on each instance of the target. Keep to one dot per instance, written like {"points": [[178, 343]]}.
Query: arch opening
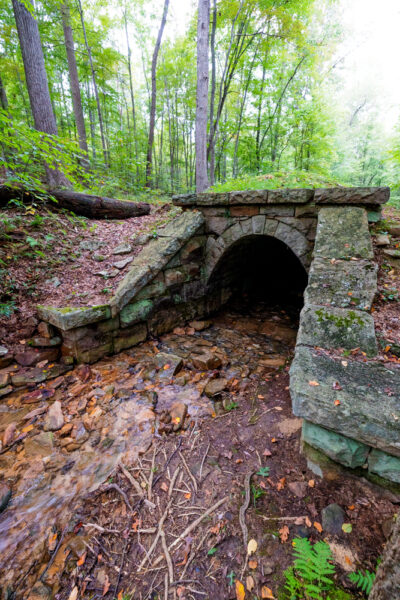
{"points": [[260, 269]]}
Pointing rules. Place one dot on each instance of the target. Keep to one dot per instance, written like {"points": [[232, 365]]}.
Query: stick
{"points": [[53, 556], [192, 477], [153, 545], [202, 462], [193, 526], [101, 529], [114, 486], [242, 515], [151, 474], [166, 586], [167, 557], [131, 479]]}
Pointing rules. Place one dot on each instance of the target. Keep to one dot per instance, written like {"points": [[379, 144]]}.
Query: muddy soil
{"points": [[138, 493]]}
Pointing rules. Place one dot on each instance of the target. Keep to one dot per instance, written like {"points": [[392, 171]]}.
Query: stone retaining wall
{"points": [[351, 405]]}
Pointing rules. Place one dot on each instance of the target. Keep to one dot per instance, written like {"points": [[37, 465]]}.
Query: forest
{"points": [[120, 117], [199, 300]]}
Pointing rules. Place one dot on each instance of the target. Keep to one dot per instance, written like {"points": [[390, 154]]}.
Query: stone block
{"points": [[246, 226], [270, 226], [303, 224], [290, 196], [135, 312], [277, 211], [218, 224], [174, 262], [344, 284], [174, 277], [69, 318], [93, 354], [357, 195], [193, 250], [368, 409], [308, 210], [183, 227], [244, 211], [329, 327], [129, 337], [132, 283], [343, 232], [248, 197], [258, 223], [296, 241], [374, 216], [153, 289], [339, 448], [383, 464]]}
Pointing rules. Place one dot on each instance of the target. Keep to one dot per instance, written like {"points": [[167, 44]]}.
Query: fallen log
{"points": [[86, 205]]}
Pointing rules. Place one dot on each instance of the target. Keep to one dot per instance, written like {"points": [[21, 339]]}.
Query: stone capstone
{"points": [[367, 393], [329, 327]]}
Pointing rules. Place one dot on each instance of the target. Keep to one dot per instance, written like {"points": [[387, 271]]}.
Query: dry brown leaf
{"points": [[252, 547], [164, 487], [308, 522], [284, 533], [249, 583], [281, 484], [318, 526], [311, 483], [266, 592], [74, 594], [253, 563], [81, 560], [240, 591], [267, 452], [106, 585]]}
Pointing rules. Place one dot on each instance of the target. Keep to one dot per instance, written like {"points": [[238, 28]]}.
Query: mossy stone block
{"points": [[133, 313], [385, 465]]}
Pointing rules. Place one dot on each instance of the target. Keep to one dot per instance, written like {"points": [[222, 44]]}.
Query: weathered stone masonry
{"points": [[178, 277]]}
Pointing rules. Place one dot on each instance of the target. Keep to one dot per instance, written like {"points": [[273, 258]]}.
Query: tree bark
{"points": [[149, 157], [387, 582], [211, 155], [73, 77], [203, 26], [96, 91], [36, 81], [132, 99], [97, 207]]}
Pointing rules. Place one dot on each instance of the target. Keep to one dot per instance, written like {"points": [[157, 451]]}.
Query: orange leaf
{"points": [[253, 564], [120, 595], [318, 526], [81, 560], [281, 484], [387, 349], [351, 507], [313, 383], [166, 367], [164, 487], [240, 591], [337, 402], [260, 397], [106, 586], [311, 483], [284, 533], [307, 522], [135, 525], [188, 495], [274, 440], [266, 592]]}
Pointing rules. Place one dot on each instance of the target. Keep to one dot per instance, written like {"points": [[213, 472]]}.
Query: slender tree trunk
{"points": [[132, 98], [211, 154], [3, 96], [4, 172], [96, 92], [239, 125], [36, 81], [73, 77], [203, 26], [150, 142]]}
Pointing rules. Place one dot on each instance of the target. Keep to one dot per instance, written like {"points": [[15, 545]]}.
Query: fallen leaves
{"points": [[313, 383], [74, 594], [253, 563], [252, 547], [281, 484], [81, 560], [249, 583], [283, 534], [318, 526], [266, 592], [240, 591], [311, 483], [347, 527]]}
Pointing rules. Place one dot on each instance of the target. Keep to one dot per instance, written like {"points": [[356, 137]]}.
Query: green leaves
{"points": [[263, 471], [364, 581]]}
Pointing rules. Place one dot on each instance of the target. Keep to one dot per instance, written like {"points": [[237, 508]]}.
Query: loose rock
{"points": [[332, 519], [206, 361], [215, 387], [178, 412], [54, 419]]}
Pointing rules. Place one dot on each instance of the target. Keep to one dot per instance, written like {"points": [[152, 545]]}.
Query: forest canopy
{"points": [[123, 94]]}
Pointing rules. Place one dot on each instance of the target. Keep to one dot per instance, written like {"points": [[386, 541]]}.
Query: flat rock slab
{"points": [[343, 232], [369, 196], [329, 327], [368, 394], [69, 318], [343, 284]]}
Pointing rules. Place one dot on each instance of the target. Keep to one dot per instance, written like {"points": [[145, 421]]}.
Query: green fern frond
{"points": [[364, 581]]}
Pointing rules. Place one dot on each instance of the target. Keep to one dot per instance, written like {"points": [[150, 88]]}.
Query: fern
{"points": [[311, 574], [364, 581]]}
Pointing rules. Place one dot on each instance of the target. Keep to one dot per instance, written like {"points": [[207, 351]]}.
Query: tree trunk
{"points": [[387, 582], [150, 142], [203, 25], [3, 96], [132, 100], [73, 78], [97, 207], [211, 155], [36, 81], [96, 92]]}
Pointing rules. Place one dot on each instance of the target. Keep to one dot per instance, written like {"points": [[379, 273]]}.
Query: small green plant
{"points": [[231, 406], [7, 309], [364, 581], [256, 493], [212, 551], [311, 576], [37, 221], [263, 471], [390, 295], [31, 241]]}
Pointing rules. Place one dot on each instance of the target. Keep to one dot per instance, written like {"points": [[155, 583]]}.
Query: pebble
{"points": [[215, 387], [206, 361], [54, 418], [382, 239], [121, 264], [9, 434], [298, 488], [123, 248], [333, 517]]}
